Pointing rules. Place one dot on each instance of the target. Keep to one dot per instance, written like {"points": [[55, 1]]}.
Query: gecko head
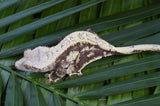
{"points": [[39, 59]]}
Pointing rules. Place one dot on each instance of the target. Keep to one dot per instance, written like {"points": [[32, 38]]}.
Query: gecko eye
{"points": [[27, 63]]}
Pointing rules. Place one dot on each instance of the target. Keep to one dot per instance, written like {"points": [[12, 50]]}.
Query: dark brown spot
{"points": [[59, 39], [26, 66], [137, 51], [61, 72]]}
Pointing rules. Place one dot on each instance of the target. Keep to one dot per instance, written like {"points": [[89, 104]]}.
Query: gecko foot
{"points": [[54, 76], [48, 76]]}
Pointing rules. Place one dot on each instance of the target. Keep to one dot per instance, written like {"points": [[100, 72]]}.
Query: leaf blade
{"points": [[133, 33], [143, 101], [1, 87], [7, 4], [122, 86], [30, 94], [54, 99], [13, 18], [27, 82], [37, 24], [13, 94]]}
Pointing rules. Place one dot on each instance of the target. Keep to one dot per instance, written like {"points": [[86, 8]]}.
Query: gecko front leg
{"points": [[62, 67]]}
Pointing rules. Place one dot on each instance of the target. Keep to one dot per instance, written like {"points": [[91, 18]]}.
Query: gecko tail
{"points": [[138, 48]]}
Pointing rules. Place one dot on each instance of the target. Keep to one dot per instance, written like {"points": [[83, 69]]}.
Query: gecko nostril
{"points": [[27, 66]]}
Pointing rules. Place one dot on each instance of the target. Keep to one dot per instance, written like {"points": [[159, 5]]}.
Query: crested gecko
{"points": [[72, 54]]}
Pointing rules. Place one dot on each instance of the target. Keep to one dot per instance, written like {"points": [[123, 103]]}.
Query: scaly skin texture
{"points": [[72, 54]]}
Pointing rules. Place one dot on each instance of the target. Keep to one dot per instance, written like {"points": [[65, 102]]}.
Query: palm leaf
{"points": [[0, 87], [32, 88], [147, 101], [14, 93], [123, 86], [133, 79], [6, 4], [33, 26], [15, 17]]}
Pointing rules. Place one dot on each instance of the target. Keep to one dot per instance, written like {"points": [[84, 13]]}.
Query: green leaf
{"points": [[40, 97], [133, 33], [14, 95], [141, 65], [1, 85], [15, 17], [54, 100], [32, 95], [37, 24], [32, 87], [152, 100], [4, 77], [154, 39], [7, 4], [59, 24], [122, 86]]}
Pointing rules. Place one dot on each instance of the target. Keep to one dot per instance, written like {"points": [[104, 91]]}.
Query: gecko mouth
{"points": [[19, 65]]}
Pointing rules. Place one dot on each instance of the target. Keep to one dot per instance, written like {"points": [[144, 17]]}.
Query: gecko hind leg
{"points": [[72, 70]]}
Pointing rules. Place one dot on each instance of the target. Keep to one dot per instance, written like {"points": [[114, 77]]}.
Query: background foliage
{"points": [[114, 81]]}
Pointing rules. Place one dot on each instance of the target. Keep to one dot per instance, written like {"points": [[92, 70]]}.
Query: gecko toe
{"points": [[53, 82], [80, 74]]}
